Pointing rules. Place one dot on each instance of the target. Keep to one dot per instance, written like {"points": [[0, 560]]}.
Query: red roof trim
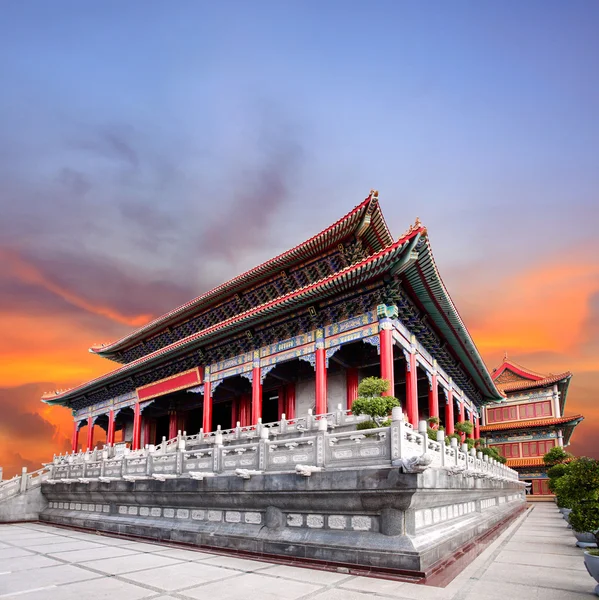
{"points": [[514, 386], [254, 271], [163, 351], [522, 371], [531, 423]]}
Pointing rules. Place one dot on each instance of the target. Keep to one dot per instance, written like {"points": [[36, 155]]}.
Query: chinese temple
{"points": [[234, 422], [294, 334], [529, 421]]}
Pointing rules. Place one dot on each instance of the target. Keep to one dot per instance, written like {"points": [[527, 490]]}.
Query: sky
{"points": [[151, 150]]}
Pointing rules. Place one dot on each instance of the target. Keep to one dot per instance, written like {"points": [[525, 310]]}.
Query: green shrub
{"points": [[366, 425], [464, 427], [370, 401], [449, 437], [493, 453], [433, 421]]}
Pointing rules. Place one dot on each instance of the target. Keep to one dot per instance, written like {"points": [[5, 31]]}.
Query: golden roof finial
{"points": [[374, 193], [504, 355]]}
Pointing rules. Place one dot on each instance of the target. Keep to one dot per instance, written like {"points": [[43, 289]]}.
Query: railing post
{"points": [[441, 440], [217, 451], [283, 424], [309, 419], [0, 473], [423, 431], [259, 427], [396, 433], [320, 441], [454, 446], [238, 430], [262, 449], [23, 479]]}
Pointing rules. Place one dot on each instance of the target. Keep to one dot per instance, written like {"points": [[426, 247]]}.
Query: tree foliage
{"points": [[556, 456], [371, 402], [464, 427]]}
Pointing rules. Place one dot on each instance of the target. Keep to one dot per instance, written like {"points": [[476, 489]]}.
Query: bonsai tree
{"points": [[371, 402], [555, 473], [557, 455], [464, 427]]}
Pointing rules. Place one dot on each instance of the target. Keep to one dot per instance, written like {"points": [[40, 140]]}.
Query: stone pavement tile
{"points": [[143, 547], [135, 562], [559, 561], [237, 563], [26, 563], [182, 575], [542, 548], [502, 591], [397, 589], [302, 574], [343, 594], [106, 588], [252, 586], [542, 577], [77, 556], [10, 552], [184, 554], [30, 539], [47, 540], [40, 578], [63, 545]]}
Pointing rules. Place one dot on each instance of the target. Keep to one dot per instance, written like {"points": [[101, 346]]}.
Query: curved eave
{"points": [[558, 423], [426, 283], [376, 232], [364, 271]]}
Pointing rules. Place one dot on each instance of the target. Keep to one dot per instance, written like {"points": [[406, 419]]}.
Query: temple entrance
{"points": [[231, 401]]}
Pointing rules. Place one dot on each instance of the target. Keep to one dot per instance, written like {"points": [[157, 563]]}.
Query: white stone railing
{"points": [[21, 483], [316, 446]]}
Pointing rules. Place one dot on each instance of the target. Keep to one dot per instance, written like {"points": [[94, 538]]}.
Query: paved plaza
{"points": [[535, 558]]}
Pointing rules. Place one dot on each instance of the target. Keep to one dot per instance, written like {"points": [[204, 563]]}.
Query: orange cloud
{"points": [[28, 273]]}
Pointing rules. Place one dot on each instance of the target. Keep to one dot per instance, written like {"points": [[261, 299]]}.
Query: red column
{"points": [[146, 430], [281, 402], [290, 400], [207, 416], [256, 395], [476, 428], [136, 427], [244, 410], [386, 340], [351, 378], [449, 425], [411, 389], [433, 398], [75, 438], [234, 412], [321, 382], [90, 433], [461, 419], [110, 432], [172, 424]]}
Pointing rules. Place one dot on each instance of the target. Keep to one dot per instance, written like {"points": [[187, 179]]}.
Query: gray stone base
{"points": [[25, 506], [372, 518]]}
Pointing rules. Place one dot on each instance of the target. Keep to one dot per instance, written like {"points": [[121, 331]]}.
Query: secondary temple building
{"points": [[529, 421], [296, 333]]}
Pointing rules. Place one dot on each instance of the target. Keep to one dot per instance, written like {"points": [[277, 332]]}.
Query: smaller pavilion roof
{"points": [[511, 377], [532, 423]]}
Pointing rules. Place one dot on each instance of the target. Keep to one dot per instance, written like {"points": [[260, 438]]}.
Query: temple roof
{"points": [[511, 377], [567, 424], [410, 256], [365, 220], [535, 461]]}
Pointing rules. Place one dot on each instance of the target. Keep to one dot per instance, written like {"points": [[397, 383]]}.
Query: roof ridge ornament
{"points": [[414, 227]]}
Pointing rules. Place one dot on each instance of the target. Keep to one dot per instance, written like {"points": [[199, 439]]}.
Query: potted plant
{"points": [[371, 402]]}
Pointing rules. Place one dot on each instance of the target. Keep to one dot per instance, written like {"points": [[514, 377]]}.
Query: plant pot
{"points": [[586, 539], [566, 513], [592, 564]]}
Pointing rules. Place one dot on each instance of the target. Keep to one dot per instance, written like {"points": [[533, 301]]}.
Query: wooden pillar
{"points": [[75, 438], [411, 389], [321, 382], [146, 431], [461, 419], [433, 398], [90, 433], [290, 401], [281, 402], [110, 432], [351, 378], [256, 395], [449, 424], [244, 410], [207, 414], [136, 427], [386, 343], [476, 428], [172, 424], [234, 412]]}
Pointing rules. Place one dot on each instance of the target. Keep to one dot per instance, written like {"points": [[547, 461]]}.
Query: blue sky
{"points": [[151, 150]]}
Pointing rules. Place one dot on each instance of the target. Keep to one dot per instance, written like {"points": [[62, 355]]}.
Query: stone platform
{"points": [[368, 517]]}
